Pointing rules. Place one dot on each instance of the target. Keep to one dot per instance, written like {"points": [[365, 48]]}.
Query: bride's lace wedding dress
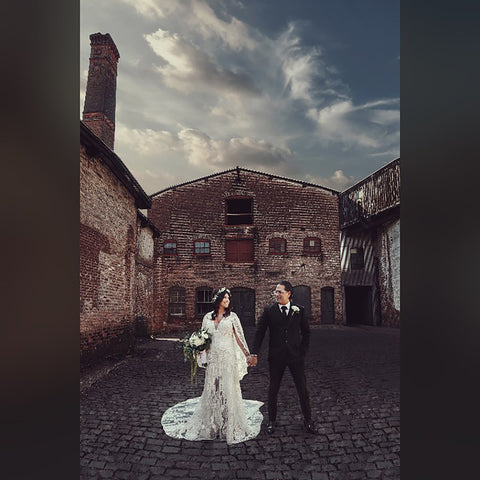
{"points": [[220, 412]]}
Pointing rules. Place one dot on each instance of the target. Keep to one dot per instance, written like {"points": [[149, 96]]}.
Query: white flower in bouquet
{"points": [[295, 309], [195, 340], [193, 345]]}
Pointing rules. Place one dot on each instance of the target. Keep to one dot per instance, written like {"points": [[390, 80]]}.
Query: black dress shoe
{"points": [[310, 427], [270, 427]]}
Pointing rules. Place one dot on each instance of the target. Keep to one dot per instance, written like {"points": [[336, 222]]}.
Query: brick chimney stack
{"points": [[100, 97]]}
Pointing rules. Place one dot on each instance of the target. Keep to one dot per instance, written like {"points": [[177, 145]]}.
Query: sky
{"points": [[305, 89]]}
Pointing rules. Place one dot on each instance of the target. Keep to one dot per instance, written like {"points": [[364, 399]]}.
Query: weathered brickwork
{"points": [[100, 97], [389, 272], [281, 209], [144, 263], [107, 260]]}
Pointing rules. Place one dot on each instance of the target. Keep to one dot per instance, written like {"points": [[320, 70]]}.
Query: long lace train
{"points": [[220, 412]]}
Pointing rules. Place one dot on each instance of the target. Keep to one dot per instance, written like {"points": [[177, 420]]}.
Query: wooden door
{"points": [[243, 304], [301, 296], [327, 305]]}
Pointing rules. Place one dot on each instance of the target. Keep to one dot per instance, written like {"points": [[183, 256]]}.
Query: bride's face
{"points": [[226, 301]]}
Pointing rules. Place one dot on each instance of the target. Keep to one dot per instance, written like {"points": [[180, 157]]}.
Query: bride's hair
{"points": [[218, 297]]}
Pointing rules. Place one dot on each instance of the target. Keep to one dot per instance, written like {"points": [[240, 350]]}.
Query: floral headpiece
{"points": [[217, 294]]}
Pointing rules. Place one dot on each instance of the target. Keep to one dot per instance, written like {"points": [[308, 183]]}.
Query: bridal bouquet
{"points": [[193, 345]]}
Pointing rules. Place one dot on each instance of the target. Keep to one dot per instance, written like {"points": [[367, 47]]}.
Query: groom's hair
{"points": [[287, 285]]}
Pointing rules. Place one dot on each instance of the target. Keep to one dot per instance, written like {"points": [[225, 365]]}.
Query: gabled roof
{"points": [[97, 147], [240, 169]]}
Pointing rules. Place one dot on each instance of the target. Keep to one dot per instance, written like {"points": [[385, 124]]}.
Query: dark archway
{"points": [[358, 305]]}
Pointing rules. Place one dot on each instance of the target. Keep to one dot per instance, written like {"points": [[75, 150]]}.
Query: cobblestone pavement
{"points": [[353, 376]]}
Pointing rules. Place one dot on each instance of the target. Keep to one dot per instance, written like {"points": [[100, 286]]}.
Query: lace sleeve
{"points": [[240, 356], [206, 317]]}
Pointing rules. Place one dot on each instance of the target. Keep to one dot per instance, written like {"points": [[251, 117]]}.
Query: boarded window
{"points": [[203, 301], [170, 247], [202, 247], [239, 211], [357, 261], [311, 245], [277, 246], [176, 302], [240, 250]]}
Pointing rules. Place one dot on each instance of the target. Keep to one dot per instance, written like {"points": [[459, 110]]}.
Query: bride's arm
{"points": [[242, 343], [244, 350]]}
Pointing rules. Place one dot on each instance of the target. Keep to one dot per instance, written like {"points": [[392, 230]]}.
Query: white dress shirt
{"points": [[286, 305]]}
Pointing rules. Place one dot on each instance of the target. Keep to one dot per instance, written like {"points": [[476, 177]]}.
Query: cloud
{"points": [[188, 68], [145, 142], [355, 126], [338, 181], [306, 75], [202, 151], [199, 17]]}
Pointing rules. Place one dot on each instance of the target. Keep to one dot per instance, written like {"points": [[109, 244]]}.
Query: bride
{"points": [[220, 412]]}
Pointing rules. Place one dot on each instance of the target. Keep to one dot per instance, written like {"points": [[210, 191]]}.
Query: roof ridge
{"points": [[238, 168]]}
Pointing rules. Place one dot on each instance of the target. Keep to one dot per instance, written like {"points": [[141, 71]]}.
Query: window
{"points": [[201, 247], [170, 247], [277, 246], [356, 258], [240, 250], [176, 302], [203, 301], [311, 245], [239, 211]]}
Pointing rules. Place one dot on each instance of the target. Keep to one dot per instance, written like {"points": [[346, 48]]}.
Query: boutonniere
{"points": [[295, 309]]}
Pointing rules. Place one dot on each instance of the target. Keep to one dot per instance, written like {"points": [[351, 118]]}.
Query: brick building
{"points": [[370, 248], [114, 236], [247, 230], [241, 228]]}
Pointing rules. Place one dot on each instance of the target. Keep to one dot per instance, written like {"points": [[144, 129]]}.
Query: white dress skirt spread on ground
{"points": [[220, 412]]}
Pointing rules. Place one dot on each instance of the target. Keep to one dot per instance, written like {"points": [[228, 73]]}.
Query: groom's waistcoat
{"points": [[289, 335]]}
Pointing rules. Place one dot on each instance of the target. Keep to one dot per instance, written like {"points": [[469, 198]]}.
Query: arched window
{"points": [[176, 302], [170, 247], [277, 246], [203, 301], [312, 245]]}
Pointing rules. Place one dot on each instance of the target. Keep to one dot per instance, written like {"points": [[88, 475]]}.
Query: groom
{"points": [[289, 340]]}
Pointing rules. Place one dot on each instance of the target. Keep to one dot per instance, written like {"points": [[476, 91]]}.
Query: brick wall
{"points": [[282, 208], [144, 263], [107, 261]]}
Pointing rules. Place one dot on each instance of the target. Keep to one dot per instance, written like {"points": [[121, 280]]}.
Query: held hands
{"points": [[252, 360]]}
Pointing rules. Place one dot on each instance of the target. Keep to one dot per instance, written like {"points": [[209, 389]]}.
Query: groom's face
{"points": [[282, 296]]}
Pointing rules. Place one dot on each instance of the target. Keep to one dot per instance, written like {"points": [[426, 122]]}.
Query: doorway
{"points": [[358, 305], [327, 306], [301, 296], [243, 304]]}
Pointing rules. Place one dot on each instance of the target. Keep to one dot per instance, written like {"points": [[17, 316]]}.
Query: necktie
{"points": [[284, 310]]}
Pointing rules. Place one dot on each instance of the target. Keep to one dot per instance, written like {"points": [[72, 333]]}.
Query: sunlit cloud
{"points": [[352, 125], [198, 16], [189, 69], [338, 181]]}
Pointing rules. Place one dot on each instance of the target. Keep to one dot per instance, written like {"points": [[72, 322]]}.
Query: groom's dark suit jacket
{"points": [[289, 336]]}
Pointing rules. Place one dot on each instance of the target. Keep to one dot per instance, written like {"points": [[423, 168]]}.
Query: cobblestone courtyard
{"points": [[353, 376]]}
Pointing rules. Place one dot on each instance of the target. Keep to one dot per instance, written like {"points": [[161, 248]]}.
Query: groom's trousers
{"points": [[297, 369]]}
